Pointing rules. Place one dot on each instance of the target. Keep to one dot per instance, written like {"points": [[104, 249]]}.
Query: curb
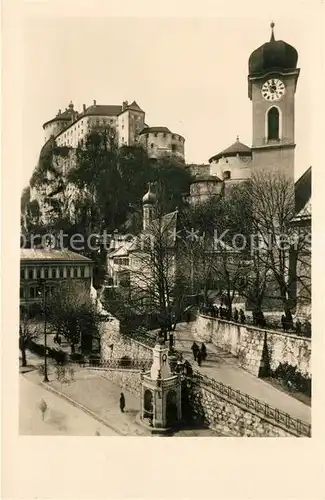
{"points": [[83, 408]]}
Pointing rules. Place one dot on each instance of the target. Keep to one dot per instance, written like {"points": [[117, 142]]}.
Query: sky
{"points": [[189, 74]]}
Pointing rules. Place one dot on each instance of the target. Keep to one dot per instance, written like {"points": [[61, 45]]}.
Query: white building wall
{"points": [[239, 167]]}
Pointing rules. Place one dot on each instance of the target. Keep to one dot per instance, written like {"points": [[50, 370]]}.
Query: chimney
{"points": [[124, 105], [59, 112], [94, 102], [84, 107]]}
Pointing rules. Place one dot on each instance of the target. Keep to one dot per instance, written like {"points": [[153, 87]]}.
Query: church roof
{"points": [[167, 226], [272, 55], [233, 150]]}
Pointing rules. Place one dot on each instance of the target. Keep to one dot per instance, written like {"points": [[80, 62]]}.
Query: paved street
{"points": [[100, 396], [225, 368], [61, 418]]}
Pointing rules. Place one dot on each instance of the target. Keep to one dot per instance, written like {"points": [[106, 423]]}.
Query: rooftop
{"points": [[32, 254], [206, 178], [237, 148], [103, 110], [303, 190], [148, 130]]}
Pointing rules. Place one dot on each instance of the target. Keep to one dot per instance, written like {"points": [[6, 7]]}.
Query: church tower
{"points": [[272, 82]]}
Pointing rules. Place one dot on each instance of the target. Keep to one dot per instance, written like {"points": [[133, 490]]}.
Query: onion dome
{"points": [[237, 148], [149, 198], [275, 55]]}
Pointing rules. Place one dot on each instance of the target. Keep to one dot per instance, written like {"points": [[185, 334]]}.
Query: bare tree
{"points": [[278, 244], [219, 264], [73, 314], [154, 281], [27, 333]]}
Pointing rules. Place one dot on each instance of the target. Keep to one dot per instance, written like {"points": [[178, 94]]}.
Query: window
{"points": [[33, 292], [21, 292], [173, 148], [46, 273], [227, 174], [273, 120], [38, 274], [22, 274], [122, 127], [61, 272], [156, 135], [82, 272], [30, 274], [68, 272], [75, 272], [164, 135], [152, 144]]}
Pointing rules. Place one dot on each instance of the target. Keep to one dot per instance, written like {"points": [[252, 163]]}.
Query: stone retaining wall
{"points": [[126, 379], [251, 344], [228, 418], [121, 344]]}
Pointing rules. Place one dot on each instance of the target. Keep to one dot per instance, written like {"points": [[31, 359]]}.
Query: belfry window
{"points": [[273, 122]]}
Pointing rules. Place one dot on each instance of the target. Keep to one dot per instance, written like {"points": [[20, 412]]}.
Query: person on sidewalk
{"points": [[199, 357], [195, 349], [284, 323], [122, 402], [236, 315], [188, 368], [203, 352], [298, 327], [242, 316]]}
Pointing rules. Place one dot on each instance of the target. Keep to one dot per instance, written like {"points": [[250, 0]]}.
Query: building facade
{"points": [[52, 269], [125, 124], [160, 142]]}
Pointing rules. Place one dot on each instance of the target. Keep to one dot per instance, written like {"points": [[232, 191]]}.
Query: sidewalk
{"points": [[101, 397], [225, 368], [61, 418]]}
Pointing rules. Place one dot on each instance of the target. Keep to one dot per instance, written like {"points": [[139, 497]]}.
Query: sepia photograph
{"points": [[165, 228]]}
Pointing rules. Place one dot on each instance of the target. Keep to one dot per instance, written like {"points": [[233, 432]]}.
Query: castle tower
{"points": [[148, 203], [272, 82]]}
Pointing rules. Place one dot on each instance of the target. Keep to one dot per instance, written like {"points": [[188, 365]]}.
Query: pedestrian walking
{"points": [[171, 341], [195, 349], [298, 326], [203, 352], [122, 402], [284, 322], [199, 357], [242, 316], [236, 315], [307, 328], [217, 312]]}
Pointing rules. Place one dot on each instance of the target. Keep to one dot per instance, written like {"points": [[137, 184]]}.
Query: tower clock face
{"points": [[273, 89]]}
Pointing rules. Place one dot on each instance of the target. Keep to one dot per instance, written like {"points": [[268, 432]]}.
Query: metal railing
{"points": [[263, 409]]}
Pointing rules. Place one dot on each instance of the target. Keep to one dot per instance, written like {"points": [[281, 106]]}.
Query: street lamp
{"points": [[42, 282]]}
